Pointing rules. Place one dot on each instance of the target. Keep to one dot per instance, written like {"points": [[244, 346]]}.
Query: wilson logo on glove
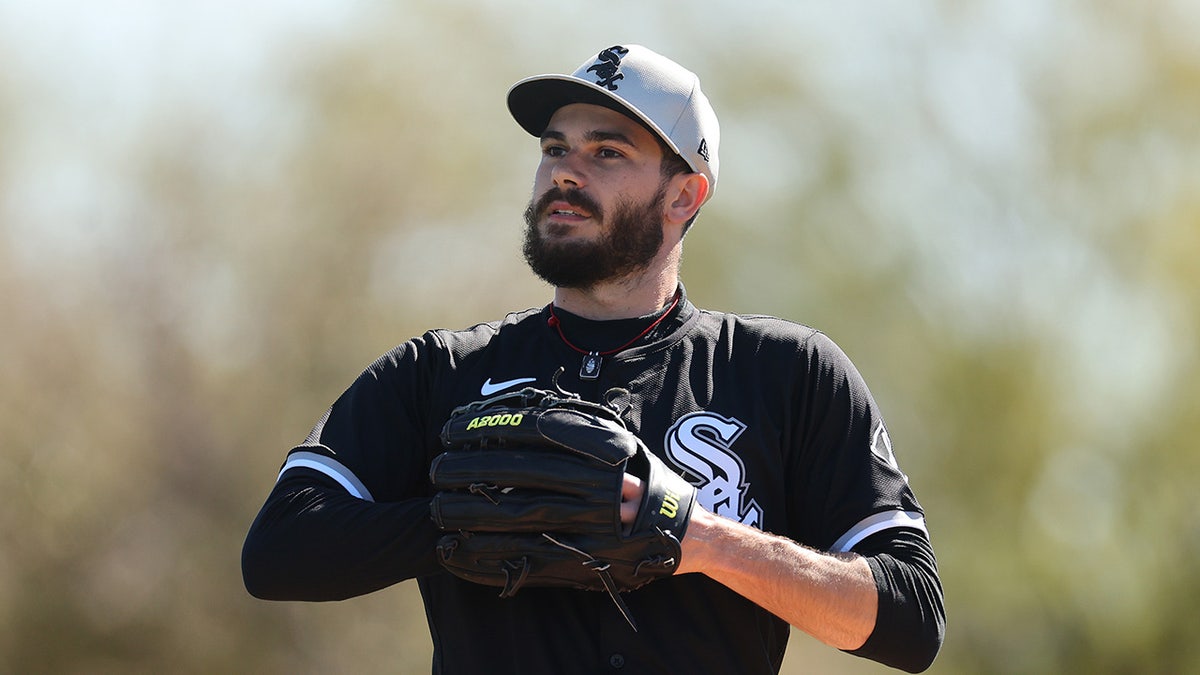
{"points": [[670, 505]]}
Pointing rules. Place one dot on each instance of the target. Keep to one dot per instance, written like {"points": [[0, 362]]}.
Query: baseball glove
{"points": [[529, 492]]}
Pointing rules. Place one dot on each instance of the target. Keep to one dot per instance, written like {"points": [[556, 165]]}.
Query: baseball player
{"points": [[620, 480]]}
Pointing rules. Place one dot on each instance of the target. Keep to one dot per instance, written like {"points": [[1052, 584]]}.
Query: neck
{"points": [[628, 297], [618, 300]]}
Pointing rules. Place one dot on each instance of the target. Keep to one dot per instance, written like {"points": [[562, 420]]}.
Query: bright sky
{"points": [[93, 76]]}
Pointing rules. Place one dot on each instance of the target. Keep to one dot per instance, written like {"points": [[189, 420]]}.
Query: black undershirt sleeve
{"points": [[911, 622], [314, 541]]}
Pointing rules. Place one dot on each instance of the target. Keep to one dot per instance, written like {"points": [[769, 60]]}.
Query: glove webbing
{"points": [[601, 569]]}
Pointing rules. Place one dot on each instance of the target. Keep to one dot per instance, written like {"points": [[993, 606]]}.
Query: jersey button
{"points": [[616, 661]]}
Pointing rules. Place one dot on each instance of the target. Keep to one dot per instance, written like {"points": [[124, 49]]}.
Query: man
{"points": [[803, 516]]}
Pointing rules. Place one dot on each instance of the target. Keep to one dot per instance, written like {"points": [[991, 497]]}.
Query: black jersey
{"points": [[767, 418]]}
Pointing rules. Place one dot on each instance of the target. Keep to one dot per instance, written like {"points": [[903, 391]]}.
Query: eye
{"points": [[610, 153], [553, 150]]}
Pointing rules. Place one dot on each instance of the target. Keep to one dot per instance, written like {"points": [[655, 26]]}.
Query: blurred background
{"points": [[213, 215]]}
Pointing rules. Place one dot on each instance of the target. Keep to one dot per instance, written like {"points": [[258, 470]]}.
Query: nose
{"points": [[566, 172]]}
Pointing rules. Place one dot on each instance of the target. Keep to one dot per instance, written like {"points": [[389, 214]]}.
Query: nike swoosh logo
{"points": [[490, 387]]}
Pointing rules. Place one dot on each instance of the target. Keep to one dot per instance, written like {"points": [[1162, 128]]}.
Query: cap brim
{"points": [[534, 100]]}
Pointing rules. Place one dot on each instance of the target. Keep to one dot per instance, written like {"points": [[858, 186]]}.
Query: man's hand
{"points": [[632, 489]]}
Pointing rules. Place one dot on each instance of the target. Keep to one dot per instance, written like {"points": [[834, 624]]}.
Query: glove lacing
{"points": [[511, 585], [600, 567]]}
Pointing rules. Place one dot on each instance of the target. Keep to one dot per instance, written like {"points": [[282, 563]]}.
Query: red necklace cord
{"points": [[553, 321]]}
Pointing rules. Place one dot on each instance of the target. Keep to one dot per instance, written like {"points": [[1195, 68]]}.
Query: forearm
{"points": [[912, 616], [316, 542], [832, 598]]}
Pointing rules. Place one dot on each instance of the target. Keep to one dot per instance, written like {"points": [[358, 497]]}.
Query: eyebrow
{"points": [[593, 136]]}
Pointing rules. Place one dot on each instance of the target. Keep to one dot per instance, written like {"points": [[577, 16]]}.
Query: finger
{"points": [[631, 497], [631, 488]]}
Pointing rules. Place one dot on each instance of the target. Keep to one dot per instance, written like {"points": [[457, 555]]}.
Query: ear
{"points": [[685, 195]]}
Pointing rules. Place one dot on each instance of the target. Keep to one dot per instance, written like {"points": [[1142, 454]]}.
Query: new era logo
{"points": [[703, 149]]}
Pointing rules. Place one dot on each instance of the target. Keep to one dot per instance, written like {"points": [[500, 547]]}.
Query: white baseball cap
{"points": [[640, 83]]}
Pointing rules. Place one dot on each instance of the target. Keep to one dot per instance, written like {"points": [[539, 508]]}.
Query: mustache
{"points": [[572, 196]]}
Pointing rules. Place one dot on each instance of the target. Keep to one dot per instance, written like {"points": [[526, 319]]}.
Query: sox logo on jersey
{"points": [[702, 443]]}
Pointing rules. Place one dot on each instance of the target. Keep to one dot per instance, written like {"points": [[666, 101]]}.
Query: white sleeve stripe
{"points": [[330, 467], [878, 523]]}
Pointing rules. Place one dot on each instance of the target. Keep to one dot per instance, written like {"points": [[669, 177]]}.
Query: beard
{"points": [[633, 238]]}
